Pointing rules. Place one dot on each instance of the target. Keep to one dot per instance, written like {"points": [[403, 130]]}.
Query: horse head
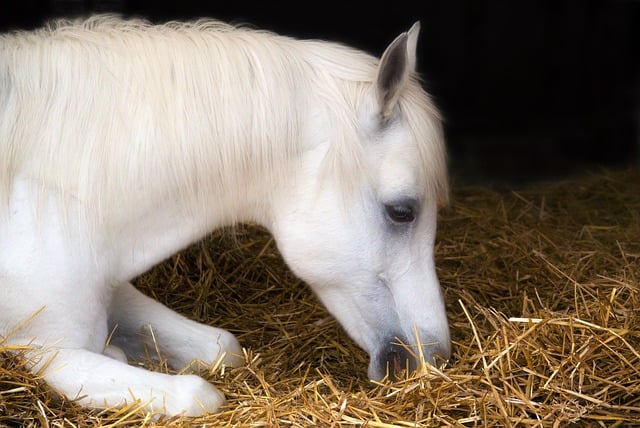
{"points": [[368, 252]]}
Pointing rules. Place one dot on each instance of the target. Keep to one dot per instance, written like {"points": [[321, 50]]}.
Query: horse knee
{"points": [[193, 396], [230, 349], [115, 352], [209, 345]]}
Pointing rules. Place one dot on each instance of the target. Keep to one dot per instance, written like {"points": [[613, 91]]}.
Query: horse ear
{"points": [[396, 65]]}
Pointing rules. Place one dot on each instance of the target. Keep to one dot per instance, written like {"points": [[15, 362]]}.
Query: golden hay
{"points": [[542, 288]]}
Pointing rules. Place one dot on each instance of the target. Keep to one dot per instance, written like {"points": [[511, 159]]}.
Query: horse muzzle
{"points": [[398, 358]]}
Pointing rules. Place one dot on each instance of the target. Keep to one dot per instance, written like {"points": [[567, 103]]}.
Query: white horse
{"points": [[122, 142]]}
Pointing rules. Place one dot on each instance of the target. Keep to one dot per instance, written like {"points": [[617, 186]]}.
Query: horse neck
{"points": [[218, 137], [253, 130]]}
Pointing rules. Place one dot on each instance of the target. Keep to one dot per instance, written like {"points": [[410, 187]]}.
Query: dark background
{"points": [[530, 90]]}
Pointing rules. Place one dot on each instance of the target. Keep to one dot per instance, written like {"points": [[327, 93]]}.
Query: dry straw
{"points": [[542, 287]]}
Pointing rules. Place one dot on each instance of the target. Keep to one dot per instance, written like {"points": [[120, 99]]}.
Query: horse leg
{"points": [[68, 350], [55, 297], [136, 318], [96, 380]]}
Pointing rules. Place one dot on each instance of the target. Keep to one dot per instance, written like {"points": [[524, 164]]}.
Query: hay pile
{"points": [[543, 293]]}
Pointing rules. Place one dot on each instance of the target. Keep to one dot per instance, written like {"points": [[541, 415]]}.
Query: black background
{"points": [[530, 90]]}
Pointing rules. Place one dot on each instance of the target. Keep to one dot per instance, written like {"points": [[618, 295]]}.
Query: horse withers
{"points": [[122, 142]]}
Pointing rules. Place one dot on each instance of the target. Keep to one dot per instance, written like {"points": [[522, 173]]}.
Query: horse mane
{"points": [[91, 107]]}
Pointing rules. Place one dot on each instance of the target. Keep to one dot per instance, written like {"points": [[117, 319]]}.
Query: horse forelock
{"points": [[416, 113], [424, 123]]}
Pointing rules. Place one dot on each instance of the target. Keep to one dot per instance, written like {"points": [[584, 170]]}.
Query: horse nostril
{"points": [[394, 362], [399, 360]]}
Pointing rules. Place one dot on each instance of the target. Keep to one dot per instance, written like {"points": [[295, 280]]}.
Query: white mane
{"points": [[97, 107]]}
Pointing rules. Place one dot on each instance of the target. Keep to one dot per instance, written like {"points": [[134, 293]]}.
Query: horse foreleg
{"points": [[136, 319], [96, 380]]}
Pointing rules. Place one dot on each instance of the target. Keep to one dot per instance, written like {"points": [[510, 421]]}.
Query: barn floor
{"points": [[543, 293]]}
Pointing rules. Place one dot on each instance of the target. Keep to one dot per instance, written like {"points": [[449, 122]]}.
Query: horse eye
{"points": [[400, 213]]}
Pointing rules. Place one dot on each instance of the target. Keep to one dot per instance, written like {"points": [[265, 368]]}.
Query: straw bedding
{"points": [[543, 294]]}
